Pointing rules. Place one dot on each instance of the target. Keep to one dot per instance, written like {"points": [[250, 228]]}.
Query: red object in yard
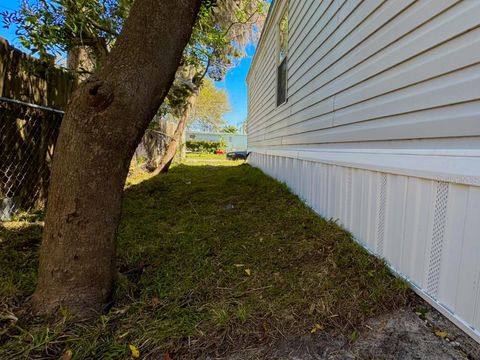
{"points": [[220, 152]]}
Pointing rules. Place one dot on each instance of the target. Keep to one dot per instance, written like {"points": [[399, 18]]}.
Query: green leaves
{"points": [[221, 34], [223, 29], [55, 26]]}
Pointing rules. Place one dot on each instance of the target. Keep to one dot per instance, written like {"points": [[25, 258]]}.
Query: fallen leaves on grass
{"points": [[134, 350], [67, 355], [441, 334], [317, 327]]}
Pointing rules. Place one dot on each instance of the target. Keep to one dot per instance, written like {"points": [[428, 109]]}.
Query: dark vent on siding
{"points": [[282, 82]]}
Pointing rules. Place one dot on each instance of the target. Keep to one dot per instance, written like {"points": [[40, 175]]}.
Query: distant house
{"points": [[234, 142], [370, 112]]}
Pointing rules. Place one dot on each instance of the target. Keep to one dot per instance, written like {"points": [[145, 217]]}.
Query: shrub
{"points": [[203, 146]]}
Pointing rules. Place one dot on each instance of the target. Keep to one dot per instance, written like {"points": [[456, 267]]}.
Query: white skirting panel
{"points": [[427, 231]]}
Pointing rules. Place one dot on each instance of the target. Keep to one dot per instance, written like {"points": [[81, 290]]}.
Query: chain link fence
{"points": [[27, 138], [28, 134]]}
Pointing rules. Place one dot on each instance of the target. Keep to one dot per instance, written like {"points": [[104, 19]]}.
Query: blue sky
{"points": [[234, 82], [9, 34]]}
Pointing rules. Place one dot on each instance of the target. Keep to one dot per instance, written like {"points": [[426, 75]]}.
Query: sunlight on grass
{"points": [[185, 244]]}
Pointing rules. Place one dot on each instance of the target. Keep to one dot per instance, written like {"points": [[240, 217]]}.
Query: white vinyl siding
{"points": [[364, 71]]}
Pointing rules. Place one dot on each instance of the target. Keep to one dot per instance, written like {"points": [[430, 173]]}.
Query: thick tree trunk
{"points": [[104, 122], [172, 147]]}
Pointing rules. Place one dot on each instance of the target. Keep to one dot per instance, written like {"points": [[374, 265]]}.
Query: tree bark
{"points": [[172, 147], [81, 59], [81, 62], [104, 122]]}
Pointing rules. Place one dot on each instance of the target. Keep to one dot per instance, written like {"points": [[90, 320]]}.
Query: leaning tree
{"points": [[104, 121], [108, 114]]}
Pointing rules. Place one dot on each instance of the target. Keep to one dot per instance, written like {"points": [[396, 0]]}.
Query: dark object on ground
{"points": [[237, 155]]}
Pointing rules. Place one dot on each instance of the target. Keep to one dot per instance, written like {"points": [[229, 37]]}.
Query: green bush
{"points": [[201, 146]]}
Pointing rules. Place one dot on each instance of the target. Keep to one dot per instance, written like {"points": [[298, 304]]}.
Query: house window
{"points": [[282, 60]]}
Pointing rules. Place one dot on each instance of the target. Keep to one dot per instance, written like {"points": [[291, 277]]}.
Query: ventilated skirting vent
{"points": [[438, 234], [349, 185], [382, 204]]}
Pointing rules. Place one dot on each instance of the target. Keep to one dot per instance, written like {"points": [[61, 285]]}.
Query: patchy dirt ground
{"points": [[402, 334]]}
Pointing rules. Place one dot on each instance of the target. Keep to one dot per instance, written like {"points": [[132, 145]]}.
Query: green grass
{"points": [[211, 259]]}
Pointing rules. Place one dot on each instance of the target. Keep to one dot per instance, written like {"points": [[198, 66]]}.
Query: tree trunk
{"points": [[172, 147], [104, 122], [81, 62]]}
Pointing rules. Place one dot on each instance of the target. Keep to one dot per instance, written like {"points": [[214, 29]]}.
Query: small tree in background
{"points": [[211, 106]]}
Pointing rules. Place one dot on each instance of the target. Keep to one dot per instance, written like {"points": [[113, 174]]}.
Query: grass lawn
{"points": [[213, 257]]}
